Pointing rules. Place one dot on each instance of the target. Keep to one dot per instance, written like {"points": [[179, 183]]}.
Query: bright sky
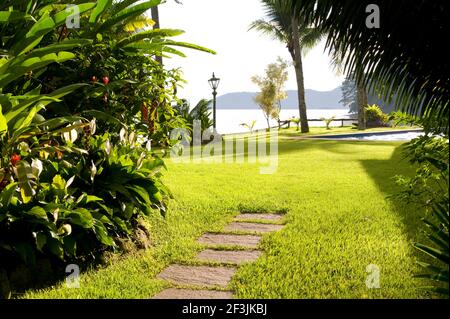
{"points": [[222, 25]]}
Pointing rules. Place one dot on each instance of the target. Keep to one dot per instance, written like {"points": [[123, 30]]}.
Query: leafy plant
{"points": [[429, 188], [272, 90], [250, 126], [376, 116], [328, 121], [201, 112], [297, 122]]}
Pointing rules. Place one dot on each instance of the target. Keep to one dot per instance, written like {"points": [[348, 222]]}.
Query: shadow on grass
{"points": [[382, 173]]}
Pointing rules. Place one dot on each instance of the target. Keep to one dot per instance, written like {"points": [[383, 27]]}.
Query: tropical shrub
{"points": [[297, 122], [201, 112], [328, 121], [428, 188], [376, 117]]}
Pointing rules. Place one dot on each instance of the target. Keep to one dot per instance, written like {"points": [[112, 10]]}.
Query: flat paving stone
{"points": [[253, 227], [173, 293], [198, 275], [233, 256], [265, 217], [247, 241]]}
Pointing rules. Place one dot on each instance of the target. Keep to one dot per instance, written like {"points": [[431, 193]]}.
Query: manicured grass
{"points": [[339, 221], [342, 130]]}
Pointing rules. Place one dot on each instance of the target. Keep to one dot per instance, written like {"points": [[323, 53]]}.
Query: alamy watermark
{"points": [[260, 147], [73, 19], [373, 279], [73, 278], [373, 19]]}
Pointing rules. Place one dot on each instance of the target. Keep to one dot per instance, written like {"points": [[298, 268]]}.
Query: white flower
{"points": [[108, 147], [36, 167], [93, 170], [70, 136], [123, 135], [131, 138], [93, 126]]}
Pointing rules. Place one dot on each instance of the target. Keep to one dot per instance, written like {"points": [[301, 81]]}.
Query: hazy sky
{"points": [[222, 25]]}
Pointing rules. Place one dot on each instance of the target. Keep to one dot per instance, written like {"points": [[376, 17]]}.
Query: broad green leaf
{"points": [[80, 217], [43, 100], [151, 47], [102, 6], [102, 234], [28, 117], [13, 16], [157, 33], [61, 17], [37, 212], [3, 123]]}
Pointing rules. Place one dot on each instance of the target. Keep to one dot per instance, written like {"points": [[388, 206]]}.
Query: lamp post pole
{"points": [[214, 83], [214, 108]]}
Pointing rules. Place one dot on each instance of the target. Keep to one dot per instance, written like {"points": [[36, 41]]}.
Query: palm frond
{"points": [[270, 29], [139, 23], [404, 58]]}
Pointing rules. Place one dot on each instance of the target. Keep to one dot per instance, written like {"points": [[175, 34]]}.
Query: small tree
{"points": [[266, 100], [272, 89], [328, 121]]}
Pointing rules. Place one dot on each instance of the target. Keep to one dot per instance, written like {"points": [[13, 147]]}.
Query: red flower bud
{"points": [[15, 158], [94, 79], [105, 80]]}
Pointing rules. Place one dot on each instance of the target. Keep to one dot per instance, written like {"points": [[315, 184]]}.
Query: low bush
{"points": [[376, 117]]}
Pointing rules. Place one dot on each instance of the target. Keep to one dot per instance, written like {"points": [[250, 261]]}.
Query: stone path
{"points": [[208, 282]]}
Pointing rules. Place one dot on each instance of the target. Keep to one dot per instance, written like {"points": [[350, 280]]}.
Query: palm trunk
{"points": [[362, 104], [298, 65], [268, 123], [155, 17]]}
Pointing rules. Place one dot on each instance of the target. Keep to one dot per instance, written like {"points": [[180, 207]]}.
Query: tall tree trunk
{"points": [[298, 65], [362, 104], [155, 17]]}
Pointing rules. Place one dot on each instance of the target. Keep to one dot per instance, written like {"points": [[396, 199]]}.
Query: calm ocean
{"points": [[228, 121]]}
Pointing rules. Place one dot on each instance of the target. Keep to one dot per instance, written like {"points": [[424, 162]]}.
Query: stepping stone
{"points": [[198, 275], [266, 217], [234, 256], [173, 293], [253, 227], [247, 241]]}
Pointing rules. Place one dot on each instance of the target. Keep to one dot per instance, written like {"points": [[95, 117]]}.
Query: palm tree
{"points": [[394, 65], [155, 18], [298, 36]]}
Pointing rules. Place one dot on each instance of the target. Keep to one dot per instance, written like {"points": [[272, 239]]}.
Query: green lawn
{"points": [[338, 221]]}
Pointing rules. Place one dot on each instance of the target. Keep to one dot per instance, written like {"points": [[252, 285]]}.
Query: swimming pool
{"points": [[375, 136]]}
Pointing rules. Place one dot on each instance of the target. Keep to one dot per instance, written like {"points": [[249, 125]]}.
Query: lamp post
{"points": [[214, 83]]}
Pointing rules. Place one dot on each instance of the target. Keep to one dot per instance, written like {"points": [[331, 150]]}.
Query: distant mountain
{"points": [[314, 100]]}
